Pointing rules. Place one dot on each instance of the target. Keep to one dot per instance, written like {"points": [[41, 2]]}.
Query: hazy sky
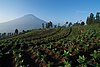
{"points": [[57, 11]]}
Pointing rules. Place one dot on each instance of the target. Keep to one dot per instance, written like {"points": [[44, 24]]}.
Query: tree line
{"points": [[93, 19], [47, 25], [51, 25], [16, 32]]}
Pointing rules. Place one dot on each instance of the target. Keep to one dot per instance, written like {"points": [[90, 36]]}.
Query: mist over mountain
{"points": [[26, 22]]}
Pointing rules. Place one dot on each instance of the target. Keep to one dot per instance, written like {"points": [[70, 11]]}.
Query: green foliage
{"points": [[81, 59], [97, 20], [50, 64], [95, 54], [83, 65], [66, 53], [67, 64], [54, 47], [91, 19]]}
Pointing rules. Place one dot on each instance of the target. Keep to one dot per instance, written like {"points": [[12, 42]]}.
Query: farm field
{"points": [[75, 46]]}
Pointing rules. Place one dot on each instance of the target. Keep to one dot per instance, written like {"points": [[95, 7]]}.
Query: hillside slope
{"points": [[26, 22], [66, 47]]}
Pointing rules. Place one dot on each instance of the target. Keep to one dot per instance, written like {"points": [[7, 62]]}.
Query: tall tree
{"points": [[55, 26], [0, 35], [43, 25], [87, 20], [4, 34], [16, 31], [51, 25], [58, 24], [23, 31], [82, 23], [90, 19], [97, 20], [46, 25], [66, 23], [70, 24]]}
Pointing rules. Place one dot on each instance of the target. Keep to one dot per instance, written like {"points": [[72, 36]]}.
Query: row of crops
{"points": [[77, 46]]}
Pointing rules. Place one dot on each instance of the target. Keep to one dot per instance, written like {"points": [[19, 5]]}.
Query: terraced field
{"points": [[76, 46]]}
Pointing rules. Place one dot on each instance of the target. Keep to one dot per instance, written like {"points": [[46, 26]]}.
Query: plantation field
{"points": [[76, 46]]}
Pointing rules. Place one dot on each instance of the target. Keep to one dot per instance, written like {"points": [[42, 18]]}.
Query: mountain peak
{"points": [[26, 22], [29, 15]]}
